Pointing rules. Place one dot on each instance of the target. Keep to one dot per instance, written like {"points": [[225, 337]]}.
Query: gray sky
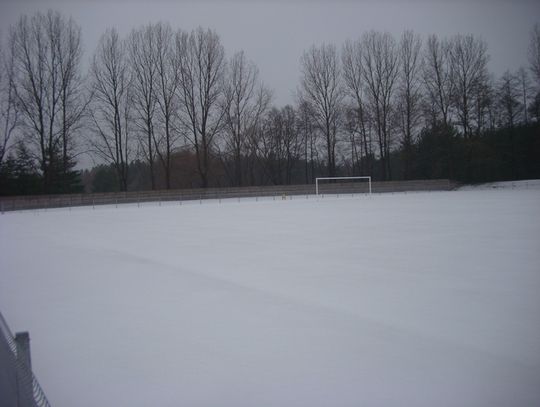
{"points": [[274, 33]]}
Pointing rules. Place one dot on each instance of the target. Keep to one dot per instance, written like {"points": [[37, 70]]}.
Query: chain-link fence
{"points": [[180, 195], [19, 386]]}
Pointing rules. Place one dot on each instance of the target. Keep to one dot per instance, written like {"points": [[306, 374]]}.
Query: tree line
{"points": [[165, 108]]}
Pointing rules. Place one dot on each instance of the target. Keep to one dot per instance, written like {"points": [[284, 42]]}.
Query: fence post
{"points": [[24, 366], [23, 349]]}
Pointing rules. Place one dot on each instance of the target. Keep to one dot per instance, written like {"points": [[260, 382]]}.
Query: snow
{"points": [[416, 299]]}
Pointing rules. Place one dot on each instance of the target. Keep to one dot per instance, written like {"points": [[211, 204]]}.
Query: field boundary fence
{"points": [[18, 385], [140, 197]]}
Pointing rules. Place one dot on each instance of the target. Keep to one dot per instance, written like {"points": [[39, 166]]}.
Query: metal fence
{"points": [[19, 385], [141, 197]]}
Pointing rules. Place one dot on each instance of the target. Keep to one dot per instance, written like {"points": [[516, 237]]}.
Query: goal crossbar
{"points": [[338, 178]]}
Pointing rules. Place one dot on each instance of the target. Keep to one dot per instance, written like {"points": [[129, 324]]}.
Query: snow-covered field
{"points": [[419, 299]]}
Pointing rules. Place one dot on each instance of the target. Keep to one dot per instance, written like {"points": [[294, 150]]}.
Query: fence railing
{"points": [[28, 392], [140, 197]]}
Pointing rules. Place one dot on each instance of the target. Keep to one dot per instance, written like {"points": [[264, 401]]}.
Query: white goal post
{"points": [[338, 178]]}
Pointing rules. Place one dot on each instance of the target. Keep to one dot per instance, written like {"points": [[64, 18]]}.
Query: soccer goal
{"points": [[349, 185]]}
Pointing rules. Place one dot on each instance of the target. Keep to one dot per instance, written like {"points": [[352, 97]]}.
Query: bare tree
{"points": [[47, 53], [309, 139], [8, 108], [534, 60], [438, 79], [73, 97], [239, 90], [525, 89], [275, 135], [380, 61], [509, 97], [484, 99], [510, 108], [321, 88], [265, 142], [111, 107], [279, 145], [351, 128], [358, 123], [166, 88], [142, 47], [409, 94], [245, 101], [534, 53], [469, 72], [155, 83], [201, 64], [292, 142]]}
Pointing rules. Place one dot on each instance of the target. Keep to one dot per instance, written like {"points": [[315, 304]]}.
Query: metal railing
{"points": [[26, 381]]}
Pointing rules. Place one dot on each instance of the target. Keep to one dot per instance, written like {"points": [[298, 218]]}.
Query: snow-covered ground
{"points": [[419, 299]]}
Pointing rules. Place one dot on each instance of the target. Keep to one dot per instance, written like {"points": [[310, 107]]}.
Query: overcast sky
{"points": [[274, 33]]}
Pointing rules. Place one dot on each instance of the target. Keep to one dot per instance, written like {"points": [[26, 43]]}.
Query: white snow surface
{"points": [[418, 299]]}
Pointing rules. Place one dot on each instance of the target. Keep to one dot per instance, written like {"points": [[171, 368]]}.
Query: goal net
{"points": [[342, 185]]}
